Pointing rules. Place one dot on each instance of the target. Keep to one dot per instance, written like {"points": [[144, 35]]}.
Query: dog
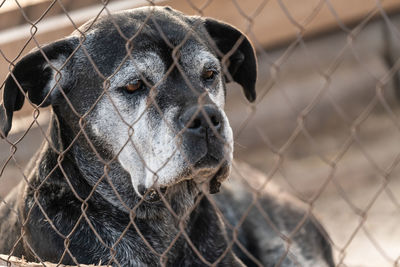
{"points": [[138, 146]]}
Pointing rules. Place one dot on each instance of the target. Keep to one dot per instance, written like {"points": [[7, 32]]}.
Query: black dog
{"points": [[137, 141]]}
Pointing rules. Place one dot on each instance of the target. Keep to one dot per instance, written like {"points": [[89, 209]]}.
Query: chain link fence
{"points": [[325, 127]]}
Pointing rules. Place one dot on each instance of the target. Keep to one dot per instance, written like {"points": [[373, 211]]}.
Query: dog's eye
{"points": [[209, 75], [133, 86]]}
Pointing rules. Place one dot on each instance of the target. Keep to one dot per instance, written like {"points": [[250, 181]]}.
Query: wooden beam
{"points": [[11, 261], [12, 15]]}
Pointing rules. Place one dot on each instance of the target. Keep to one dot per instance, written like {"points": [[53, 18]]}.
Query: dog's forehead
{"points": [[196, 56], [111, 38], [147, 64]]}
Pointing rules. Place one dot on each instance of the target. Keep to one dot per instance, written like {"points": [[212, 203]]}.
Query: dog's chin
{"points": [[206, 175]]}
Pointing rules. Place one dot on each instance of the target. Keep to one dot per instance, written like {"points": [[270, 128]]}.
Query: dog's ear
{"points": [[242, 63], [36, 76]]}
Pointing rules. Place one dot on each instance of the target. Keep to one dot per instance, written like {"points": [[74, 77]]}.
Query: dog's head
{"points": [[150, 85]]}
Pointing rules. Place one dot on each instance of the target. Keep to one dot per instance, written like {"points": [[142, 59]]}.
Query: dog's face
{"points": [[150, 83], [168, 130]]}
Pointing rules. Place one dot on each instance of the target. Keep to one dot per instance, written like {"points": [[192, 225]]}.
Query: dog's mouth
{"points": [[202, 173]]}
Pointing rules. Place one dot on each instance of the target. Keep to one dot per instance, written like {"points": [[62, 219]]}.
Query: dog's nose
{"points": [[197, 120]]}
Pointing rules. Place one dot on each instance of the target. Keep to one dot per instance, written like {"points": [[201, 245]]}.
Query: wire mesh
{"points": [[335, 146]]}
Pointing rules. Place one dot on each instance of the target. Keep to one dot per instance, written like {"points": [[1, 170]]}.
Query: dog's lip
{"points": [[208, 161], [220, 176], [199, 176], [204, 174], [203, 171], [200, 173]]}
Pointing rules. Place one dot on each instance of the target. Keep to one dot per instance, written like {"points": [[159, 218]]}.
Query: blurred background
{"points": [[326, 122]]}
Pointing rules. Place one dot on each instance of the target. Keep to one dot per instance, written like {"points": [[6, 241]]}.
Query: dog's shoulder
{"points": [[272, 219]]}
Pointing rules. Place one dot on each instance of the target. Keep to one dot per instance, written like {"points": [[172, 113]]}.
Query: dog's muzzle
{"points": [[202, 135], [205, 150], [203, 141]]}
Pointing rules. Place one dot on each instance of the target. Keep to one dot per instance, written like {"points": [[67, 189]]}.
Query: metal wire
{"points": [[278, 150]]}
